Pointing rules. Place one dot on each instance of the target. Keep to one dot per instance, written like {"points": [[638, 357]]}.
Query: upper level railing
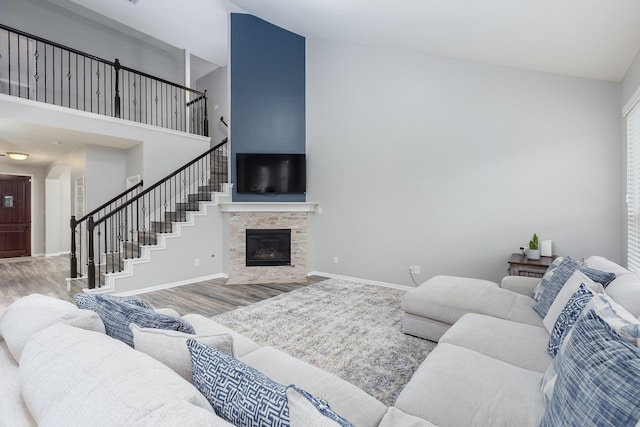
{"points": [[35, 68]]}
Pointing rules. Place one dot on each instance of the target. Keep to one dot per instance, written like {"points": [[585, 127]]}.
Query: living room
{"points": [[451, 164], [442, 161]]}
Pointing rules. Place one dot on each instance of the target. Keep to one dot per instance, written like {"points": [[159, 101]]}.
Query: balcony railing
{"points": [[38, 69]]}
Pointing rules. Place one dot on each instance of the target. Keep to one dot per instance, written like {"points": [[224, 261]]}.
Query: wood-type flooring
{"points": [[47, 275]]}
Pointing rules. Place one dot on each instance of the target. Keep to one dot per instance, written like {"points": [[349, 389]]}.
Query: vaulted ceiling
{"points": [[595, 39]]}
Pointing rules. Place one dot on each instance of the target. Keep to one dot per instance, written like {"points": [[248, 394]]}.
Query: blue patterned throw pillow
{"points": [[568, 317], [117, 313], [544, 282], [561, 274], [598, 378], [237, 392]]}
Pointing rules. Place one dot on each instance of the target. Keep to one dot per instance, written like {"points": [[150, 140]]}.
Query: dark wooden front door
{"points": [[15, 216]]}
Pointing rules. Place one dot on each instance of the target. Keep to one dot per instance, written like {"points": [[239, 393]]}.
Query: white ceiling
{"points": [[587, 38], [45, 143], [596, 39]]}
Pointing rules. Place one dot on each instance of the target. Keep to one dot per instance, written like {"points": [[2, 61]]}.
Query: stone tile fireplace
{"points": [[272, 219]]}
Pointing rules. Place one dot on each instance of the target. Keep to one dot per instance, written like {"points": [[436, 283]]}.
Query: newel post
{"points": [[206, 116], [74, 258], [91, 272], [116, 98]]}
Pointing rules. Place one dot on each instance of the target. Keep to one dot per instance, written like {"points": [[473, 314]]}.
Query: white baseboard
{"points": [[359, 280], [56, 254], [173, 285]]}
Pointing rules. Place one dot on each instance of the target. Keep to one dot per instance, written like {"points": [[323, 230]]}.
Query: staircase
{"points": [[160, 230], [117, 242]]}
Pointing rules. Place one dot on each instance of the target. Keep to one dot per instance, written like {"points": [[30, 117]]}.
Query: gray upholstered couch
{"points": [[59, 368], [486, 370], [488, 367]]}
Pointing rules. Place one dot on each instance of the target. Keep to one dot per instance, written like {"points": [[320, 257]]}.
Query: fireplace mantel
{"points": [[268, 207]]}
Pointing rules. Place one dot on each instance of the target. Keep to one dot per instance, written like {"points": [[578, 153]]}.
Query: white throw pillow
{"points": [[570, 287], [395, 417], [36, 312], [170, 347], [625, 290], [306, 410], [603, 264]]}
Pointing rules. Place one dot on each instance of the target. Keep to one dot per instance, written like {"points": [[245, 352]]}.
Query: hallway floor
{"points": [[47, 275]]}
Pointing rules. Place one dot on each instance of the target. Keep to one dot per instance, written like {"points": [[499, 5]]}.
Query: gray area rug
{"points": [[352, 330]]}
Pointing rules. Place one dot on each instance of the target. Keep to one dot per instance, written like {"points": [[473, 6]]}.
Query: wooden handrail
{"points": [[114, 199], [159, 183]]}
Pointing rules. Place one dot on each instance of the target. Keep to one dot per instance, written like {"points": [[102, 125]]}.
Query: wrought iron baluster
{"points": [[98, 88], [77, 80], [28, 72], [69, 78], [135, 99], [9, 60]]}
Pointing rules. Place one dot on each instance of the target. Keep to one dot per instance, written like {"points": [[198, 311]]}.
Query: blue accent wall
{"points": [[267, 95]]}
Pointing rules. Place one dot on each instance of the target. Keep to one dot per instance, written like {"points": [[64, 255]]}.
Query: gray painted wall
{"points": [[452, 165]]}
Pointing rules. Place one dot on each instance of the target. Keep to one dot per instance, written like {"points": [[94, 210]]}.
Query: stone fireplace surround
{"points": [[242, 216]]}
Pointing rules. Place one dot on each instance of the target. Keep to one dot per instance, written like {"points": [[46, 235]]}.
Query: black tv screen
{"points": [[270, 173]]}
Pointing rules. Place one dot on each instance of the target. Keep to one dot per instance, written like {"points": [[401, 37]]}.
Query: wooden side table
{"points": [[520, 265]]}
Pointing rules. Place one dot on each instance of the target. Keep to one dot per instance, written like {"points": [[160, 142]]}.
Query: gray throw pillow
{"points": [[117, 313]]}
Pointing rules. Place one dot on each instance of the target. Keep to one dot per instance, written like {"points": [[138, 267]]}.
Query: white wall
{"points": [[164, 150], [452, 165], [216, 83], [105, 175], [58, 211], [202, 241]]}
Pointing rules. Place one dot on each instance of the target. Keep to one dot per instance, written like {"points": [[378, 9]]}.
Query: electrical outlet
{"points": [[335, 259], [196, 262], [416, 269]]}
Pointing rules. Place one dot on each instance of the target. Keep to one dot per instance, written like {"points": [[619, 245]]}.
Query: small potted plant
{"points": [[534, 248]]}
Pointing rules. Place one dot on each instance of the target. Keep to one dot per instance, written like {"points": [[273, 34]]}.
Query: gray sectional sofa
{"points": [[60, 368], [492, 354]]}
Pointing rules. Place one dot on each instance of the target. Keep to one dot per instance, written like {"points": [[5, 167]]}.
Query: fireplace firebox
{"points": [[268, 247]]}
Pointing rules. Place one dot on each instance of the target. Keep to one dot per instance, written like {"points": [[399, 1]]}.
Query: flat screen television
{"points": [[258, 173]]}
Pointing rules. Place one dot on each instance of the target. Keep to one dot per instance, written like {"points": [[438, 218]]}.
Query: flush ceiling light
{"points": [[18, 156]]}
